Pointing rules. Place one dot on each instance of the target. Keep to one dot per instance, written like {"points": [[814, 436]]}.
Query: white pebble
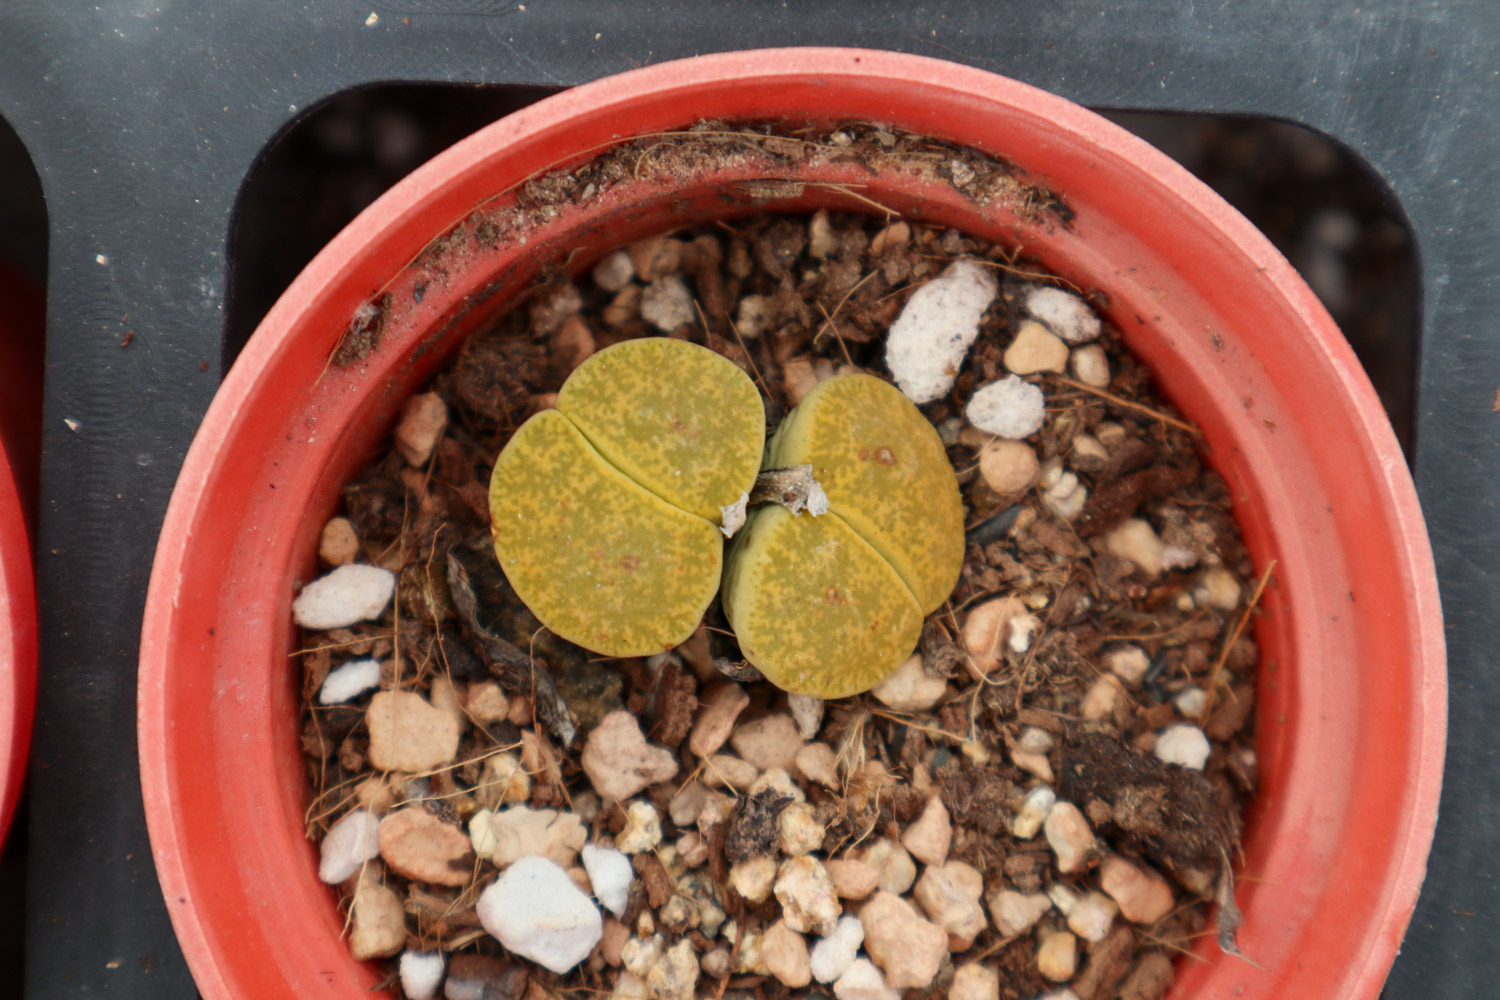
{"points": [[348, 844], [1066, 314], [1008, 408], [1070, 836], [862, 981], [421, 974], [349, 594], [667, 303], [1103, 695], [610, 875], [1015, 913], [1218, 589], [1033, 813], [928, 341], [910, 688], [1191, 701], [832, 955], [1182, 744], [807, 713], [614, 271], [348, 681], [1034, 350], [1129, 663], [538, 912]]}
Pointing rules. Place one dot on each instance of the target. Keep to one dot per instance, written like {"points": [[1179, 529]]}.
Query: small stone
{"points": [[693, 848], [987, 628], [424, 418], [1008, 467], [1066, 497], [1015, 913], [852, 879], [612, 943], [1032, 763], [655, 256], [753, 879], [1062, 897], [486, 703], [338, 545], [724, 769], [348, 681], [502, 782], [807, 714], [715, 963], [716, 809], [909, 949], [642, 953], [417, 844], [449, 695], [926, 346], [421, 974], [1219, 589], [1092, 916], [1191, 701], [349, 594], [1035, 349], [624, 307], [1091, 365], [785, 953], [642, 829], [800, 375], [929, 837], [974, 982], [1182, 744], [798, 830], [1110, 434], [1129, 663], [1143, 898], [822, 241], [749, 960], [772, 741], [510, 834], [379, 922], [675, 977], [376, 794], [1065, 314], [719, 707], [1136, 541], [1008, 408], [757, 314], [537, 912], [685, 807], [897, 871], [628, 987], [614, 271], [808, 901], [862, 981], [894, 235], [817, 762], [1088, 454], [407, 734], [910, 688], [610, 875], [1057, 958], [1099, 703], [667, 304], [1069, 834], [347, 845], [832, 955], [950, 896], [620, 762]]}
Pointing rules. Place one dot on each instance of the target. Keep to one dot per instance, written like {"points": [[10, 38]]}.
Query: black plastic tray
{"points": [[145, 119]]}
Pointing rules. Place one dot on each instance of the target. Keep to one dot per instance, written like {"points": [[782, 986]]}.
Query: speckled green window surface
{"points": [[605, 511]]}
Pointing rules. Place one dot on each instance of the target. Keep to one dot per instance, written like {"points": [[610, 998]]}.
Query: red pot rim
{"points": [[1355, 684]]}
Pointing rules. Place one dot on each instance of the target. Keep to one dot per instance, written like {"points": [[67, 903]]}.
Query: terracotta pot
{"points": [[1351, 709], [20, 415]]}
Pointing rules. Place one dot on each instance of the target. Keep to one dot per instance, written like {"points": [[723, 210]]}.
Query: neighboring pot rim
{"points": [[17, 639], [1348, 819]]}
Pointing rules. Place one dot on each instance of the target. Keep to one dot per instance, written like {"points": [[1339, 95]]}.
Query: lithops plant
{"points": [[829, 606], [606, 511]]}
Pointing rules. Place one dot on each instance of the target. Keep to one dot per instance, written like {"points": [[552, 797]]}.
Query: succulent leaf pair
{"points": [[606, 514]]}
